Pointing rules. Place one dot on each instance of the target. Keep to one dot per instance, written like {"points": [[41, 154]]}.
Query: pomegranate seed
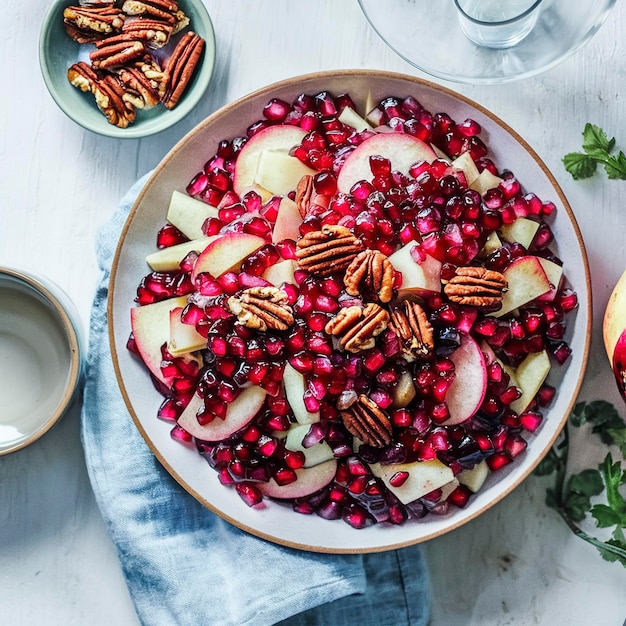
{"points": [[399, 478], [530, 420], [249, 494], [460, 496], [498, 461]]}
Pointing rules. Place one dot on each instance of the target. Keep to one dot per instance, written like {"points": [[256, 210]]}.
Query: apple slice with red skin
{"points": [[418, 279], [309, 480], [614, 333], [225, 253], [401, 149], [288, 220], [467, 391], [151, 329], [239, 414], [277, 138]]}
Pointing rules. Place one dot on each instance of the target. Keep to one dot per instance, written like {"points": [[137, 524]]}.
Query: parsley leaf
{"points": [[597, 148]]}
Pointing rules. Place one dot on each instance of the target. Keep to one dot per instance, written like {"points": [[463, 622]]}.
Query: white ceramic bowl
{"points": [[278, 522], [40, 357]]}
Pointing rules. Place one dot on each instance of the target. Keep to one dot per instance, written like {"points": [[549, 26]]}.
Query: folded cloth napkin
{"points": [[183, 564]]}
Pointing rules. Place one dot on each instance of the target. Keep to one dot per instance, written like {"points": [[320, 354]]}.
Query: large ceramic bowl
{"points": [[278, 522], [57, 52]]}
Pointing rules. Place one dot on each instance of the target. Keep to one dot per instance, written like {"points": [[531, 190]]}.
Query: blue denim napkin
{"points": [[183, 564]]}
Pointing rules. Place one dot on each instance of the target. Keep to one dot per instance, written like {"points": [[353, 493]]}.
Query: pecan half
{"points": [[113, 52], [370, 274], [357, 327], [86, 24], [308, 201], [181, 66], [410, 324], [155, 33], [262, 308], [476, 286], [365, 420], [140, 91], [324, 252], [159, 9], [107, 91]]}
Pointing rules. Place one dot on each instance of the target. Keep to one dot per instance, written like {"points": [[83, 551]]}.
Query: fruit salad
{"points": [[354, 313]]}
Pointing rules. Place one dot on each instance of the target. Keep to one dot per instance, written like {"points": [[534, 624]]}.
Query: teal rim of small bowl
{"points": [[57, 52]]}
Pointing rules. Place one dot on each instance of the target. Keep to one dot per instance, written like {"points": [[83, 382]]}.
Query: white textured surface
{"points": [[517, 564]]}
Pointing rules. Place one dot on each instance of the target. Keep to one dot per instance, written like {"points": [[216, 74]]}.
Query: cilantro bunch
{"points": [[597, 149], [571, 496]]}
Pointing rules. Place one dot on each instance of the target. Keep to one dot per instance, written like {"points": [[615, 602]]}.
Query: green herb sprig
{"points": [[571, 496], [597, 150]]}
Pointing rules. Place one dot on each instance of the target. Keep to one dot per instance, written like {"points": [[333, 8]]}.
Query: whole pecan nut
{"points": [[329, 250], [476, 286], [357, 327], [262, 308], [411, 325], [365, 420], [87, 24], [113, 52], [370, 274]]}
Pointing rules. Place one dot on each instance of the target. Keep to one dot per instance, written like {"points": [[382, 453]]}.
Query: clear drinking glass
{"points": [[497, 23]]}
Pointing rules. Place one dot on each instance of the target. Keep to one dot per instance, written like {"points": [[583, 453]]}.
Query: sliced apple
{"points": [[418, 279], [529, 376], [315, 454], [280, 138], [287, 222], [401, 149], [295, 386], [279, 172], [239, 413], [169, 259], [189, 214], [467, 391], [404, 391], [184, 338], [527, 280], [310, 480], [554, 272], [150, 325], [281, 272], [351, 118], [485, 181], [614, 333], [466, 164], [522, 230], [475, 477], [492, 243], [225, 253], [423, 477]]}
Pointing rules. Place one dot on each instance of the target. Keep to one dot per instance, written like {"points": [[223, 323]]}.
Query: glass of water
{"points": [[497, 23]]}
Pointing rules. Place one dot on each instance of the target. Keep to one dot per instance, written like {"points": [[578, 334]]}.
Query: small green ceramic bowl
{"points": [[57, 52]]}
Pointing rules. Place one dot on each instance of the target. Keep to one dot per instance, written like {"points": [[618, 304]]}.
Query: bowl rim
{"points": [[60, 305], [166, 118], [268, 89]]}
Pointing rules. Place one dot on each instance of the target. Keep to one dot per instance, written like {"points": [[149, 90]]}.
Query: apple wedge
{"points": [[529, 376], [404, 391], [315, 454], [169, 259], [150, 325], [281, 272], [225, 253], [281, 138], [351, 118], [423, 477], [522, 230], [527, 280], [239, 413], [189, 214], [465, 163], [184, 338], [485, 181], [614, 333], [310, 480], [288, 220], [418, 279], [279, 172], [554, 272], [401, 149], [492, 243], [295, 386], [474, 478], [467, 391]]}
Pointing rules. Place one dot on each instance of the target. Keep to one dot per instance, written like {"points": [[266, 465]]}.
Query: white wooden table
{"points": [[518, 563]]}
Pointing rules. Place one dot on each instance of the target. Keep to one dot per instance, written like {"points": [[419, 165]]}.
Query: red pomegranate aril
{"points": [[399, 478], [546, 394], [225, 477], [439, 413], [510, 395], [561, 352], [543, 237], [515, 445], [530, 420], [249, 494], [498, 460], [198, 184], [567, 300], [460, 496], [276, 110]]}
